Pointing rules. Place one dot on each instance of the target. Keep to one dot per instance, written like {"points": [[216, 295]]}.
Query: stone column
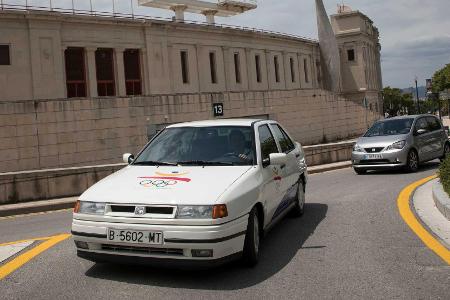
{"points": [[145, 78], [91, 72], [179, 12], [64, 79], [120, 72], [249, 59], [209, 14], [226, 65]]}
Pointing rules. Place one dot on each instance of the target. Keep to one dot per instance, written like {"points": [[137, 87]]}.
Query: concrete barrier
{"points": [[17, 187], [441, 199]]}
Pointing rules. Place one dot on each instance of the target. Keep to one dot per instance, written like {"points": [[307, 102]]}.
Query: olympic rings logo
{"points": [[158, 183]]}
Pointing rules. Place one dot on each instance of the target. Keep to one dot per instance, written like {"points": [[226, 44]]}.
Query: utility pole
{"points": [[417, 95]]}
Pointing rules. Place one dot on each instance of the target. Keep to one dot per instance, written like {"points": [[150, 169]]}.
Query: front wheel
{"points": [[446, 152], [412, 162], [252, 239]]}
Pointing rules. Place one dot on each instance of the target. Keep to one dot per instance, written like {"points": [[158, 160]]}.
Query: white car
{"points": [[199, 192]]}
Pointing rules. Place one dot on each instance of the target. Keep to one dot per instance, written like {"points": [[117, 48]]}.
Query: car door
{"points": [[436, 145], [422, 140], [271, 190], [290, 172]]}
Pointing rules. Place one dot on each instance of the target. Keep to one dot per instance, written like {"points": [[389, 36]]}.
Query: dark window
{"points": [[351, 55], [258, 68], [132, 67], [75, 72], [104, 63], [184, 66], [433, 124], [267, 141], [305, 69], [291, 62], [421, 124], [5, 58], [212, 66], [237, 67], [277, 68], [285, 142]]}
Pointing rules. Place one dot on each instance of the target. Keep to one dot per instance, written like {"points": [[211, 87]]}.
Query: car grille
{"points": [[161, 211], [143, 250], [371, 150]]}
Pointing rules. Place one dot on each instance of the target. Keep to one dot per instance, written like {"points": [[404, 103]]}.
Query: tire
{"points": [[299, 209], [412, 164], [360, 171], [446, 152], [252, 239]]}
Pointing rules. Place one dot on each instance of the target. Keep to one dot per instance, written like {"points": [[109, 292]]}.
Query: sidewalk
{"points": [[429, 214], [66, 203]]}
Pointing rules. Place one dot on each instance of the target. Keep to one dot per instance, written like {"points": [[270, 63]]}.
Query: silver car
{"points": [[399, 142]]}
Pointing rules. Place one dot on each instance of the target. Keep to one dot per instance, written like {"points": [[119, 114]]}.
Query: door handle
{"points": [[282, 166], [297, 155]]}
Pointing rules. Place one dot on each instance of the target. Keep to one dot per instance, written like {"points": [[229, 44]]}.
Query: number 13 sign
{"points": [[218, 109]]}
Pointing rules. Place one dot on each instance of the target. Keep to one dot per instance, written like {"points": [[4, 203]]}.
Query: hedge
{"points": [[444, 174]]}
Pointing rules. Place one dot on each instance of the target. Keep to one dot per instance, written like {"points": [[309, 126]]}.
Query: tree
{"points": [[396, 103], [441, 79]]}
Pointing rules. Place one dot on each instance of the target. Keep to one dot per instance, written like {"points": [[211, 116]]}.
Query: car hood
{"points": [[380, 141], [165, 185]]}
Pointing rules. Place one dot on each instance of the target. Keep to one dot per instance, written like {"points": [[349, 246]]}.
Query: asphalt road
{"points": [[351, 243]]}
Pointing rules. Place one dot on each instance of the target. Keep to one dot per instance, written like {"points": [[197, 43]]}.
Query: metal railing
{"points": [[137, 17]]}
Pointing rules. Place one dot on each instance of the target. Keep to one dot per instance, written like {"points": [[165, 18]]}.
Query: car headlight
{"points": [[358, 148], [90, 208], [202, 211], [396, 146]]}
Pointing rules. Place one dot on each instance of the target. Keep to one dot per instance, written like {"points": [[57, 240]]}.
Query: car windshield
{"points": [[200, 146], [390, 127]]}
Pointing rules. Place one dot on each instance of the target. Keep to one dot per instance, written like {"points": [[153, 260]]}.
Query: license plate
{"points": [[373, 156], [135, 237]]}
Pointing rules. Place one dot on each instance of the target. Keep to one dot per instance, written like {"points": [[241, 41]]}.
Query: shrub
{"points": [[444, 174]]}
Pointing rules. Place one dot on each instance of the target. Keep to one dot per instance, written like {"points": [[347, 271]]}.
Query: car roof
{"points": [[219, 122], [409, 117]]}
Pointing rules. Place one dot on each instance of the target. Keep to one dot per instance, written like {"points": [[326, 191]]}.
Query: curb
{"points": [[329, 167], [65, 203], [37, 206], [441, 199]]}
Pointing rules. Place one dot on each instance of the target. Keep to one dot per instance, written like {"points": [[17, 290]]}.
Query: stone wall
{"points": [[78, 132]]}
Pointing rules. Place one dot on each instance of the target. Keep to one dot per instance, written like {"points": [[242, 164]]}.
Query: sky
{"points": [[415, 34]]}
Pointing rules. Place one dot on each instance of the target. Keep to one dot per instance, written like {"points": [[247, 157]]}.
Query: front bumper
{"points": [[389, 159], [224, 240]]}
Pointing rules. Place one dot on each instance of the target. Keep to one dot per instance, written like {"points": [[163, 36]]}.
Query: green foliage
{"points": [[444, 174], [441, 79], [395, 102]]}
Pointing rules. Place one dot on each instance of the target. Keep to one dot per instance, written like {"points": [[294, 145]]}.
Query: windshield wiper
{"points": [[154, 163], [205, 163]]}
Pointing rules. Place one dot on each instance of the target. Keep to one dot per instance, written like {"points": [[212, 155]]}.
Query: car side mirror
{"points": [[128, 158], [278, 159], [421, 131]]}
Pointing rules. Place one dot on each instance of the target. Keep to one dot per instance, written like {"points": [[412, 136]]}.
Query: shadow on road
{"points": [[423, 168], [278, 249]]}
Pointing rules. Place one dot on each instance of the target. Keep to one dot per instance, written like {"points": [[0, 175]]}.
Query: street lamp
{"points": [[417, 95]]}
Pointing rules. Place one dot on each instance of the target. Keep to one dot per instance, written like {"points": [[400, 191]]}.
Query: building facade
{"points": [[80, 90]]}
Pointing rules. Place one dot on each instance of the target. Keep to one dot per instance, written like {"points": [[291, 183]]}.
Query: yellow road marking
{"points": [[410, 219], [22, 259], [35, 214]]}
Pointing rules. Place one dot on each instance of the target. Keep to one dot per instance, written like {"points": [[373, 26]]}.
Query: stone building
{"points": [[82, 89]]}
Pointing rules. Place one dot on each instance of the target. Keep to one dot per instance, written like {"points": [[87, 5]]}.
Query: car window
{"points": [[421, 124], [267, 142], [433, 124], [285, 142], [390, 127], [199, 145]]}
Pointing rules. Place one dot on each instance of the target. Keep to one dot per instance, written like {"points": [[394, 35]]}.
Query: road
{"points": [[351, 243]]}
